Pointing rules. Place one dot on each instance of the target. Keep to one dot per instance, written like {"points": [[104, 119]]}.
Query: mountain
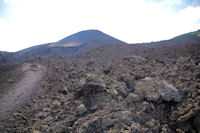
{"points": [[84, 41], [29, 49], [2, 56], [86, 37], [73, 44], [148, 87], [7, 57], [190, 35]]}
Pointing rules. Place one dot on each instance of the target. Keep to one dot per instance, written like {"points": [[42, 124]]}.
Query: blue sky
{"points": [[24, 23]]}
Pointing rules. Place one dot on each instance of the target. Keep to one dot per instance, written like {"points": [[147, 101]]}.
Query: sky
{"points": [[25, 23]]}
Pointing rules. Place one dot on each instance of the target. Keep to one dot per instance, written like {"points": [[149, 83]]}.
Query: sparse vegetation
{"points": [[188, 35]]}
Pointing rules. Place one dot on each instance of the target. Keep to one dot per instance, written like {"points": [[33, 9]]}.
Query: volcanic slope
{"points": [[73, 44], [117, 88]]}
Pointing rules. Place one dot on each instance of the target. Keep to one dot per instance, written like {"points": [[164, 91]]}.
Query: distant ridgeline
{"points": [[73, 44], [195, 34], [82, 42]]}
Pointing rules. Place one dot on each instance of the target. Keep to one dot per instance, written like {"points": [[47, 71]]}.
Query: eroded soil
{"points": [[20, 91]]}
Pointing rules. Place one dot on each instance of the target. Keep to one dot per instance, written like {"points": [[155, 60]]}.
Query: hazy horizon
{"points": [[26, 23]]}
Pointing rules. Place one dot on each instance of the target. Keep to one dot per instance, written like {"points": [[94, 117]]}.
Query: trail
{"points": [[20, 92]]}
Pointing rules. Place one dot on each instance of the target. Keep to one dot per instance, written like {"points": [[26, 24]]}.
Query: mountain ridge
{"points": [[84, 41], [86, 36], [73, 44]]}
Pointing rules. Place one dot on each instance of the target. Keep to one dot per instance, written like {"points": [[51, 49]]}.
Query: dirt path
{"points": [[20, 92]]}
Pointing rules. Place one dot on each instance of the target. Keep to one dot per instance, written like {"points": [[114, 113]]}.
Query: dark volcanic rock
{"points": [[125, 117], [196, 121], [154, 90], [92, 85], [81, 109], [132, 98], [129, 80], [117, 88]]}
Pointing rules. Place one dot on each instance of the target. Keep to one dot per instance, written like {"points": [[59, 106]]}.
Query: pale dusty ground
{"points": [[20, 92]]}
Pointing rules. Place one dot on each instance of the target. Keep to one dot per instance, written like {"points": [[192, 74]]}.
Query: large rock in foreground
{"points": [[157, 91]]}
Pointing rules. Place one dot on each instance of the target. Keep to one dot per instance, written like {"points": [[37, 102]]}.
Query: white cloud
{"points": [[7, 1], [172, 2], [190, 14], [4, 33], [167, 2], [42, 21], [187, 19]]}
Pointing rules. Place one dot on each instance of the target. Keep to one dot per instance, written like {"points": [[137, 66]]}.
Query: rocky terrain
{"points": [[117, 88], [19, 93]]}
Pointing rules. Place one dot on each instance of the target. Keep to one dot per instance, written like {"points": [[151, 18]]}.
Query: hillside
{"points": [[2, 57], [152, 87], [7, 57], [189, 35], [86, 37], [73, 44], [82, 42]]}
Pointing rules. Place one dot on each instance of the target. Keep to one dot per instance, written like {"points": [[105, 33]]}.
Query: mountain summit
{"points": [[87, 37], [73, 44]]}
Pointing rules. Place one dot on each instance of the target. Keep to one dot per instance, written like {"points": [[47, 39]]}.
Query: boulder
{"points": [[122, 92], [131, 98], [168, 92], [186, 116], [156, 90], [81, 109], [129, 81], [91, 126], [118, 88], [56, 105], [137, 128], [90, 86], [125, 117], [196, 121], [94, 81], [63, 91], [153, 125], [165, 129], [106, 122]]}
